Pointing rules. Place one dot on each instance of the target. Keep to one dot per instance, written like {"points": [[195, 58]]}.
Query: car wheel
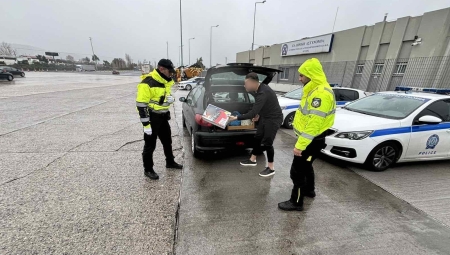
{"points": [[383, 156], [10, 78], [289, 120], [188, 87], [22, 75], [194, 145]]}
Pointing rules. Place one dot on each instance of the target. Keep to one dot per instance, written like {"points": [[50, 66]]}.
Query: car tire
{"points": [[188, 87], [22, 75], [289, 120], [183, 120], [195, 152], [10, 78], [383, 156]]}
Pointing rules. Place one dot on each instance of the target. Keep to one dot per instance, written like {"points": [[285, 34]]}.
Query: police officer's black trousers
{"points": [[160, 129], [302, 171]]}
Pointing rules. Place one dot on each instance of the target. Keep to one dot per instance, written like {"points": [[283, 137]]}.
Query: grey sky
{"points": [[142, 27]]}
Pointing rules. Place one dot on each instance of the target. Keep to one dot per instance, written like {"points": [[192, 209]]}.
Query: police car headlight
{"points": [[357, 135]]}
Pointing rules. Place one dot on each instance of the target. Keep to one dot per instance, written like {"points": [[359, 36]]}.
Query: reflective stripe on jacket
{"points": [[317, 107]]}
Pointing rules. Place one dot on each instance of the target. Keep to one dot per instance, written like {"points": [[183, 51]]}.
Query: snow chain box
{"points": [[216, 116]]}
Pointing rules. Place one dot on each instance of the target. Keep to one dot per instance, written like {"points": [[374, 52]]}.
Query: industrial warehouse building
{"points": [[411, 51]]}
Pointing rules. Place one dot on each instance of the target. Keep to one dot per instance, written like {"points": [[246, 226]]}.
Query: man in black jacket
{"points": [[267, 112]]}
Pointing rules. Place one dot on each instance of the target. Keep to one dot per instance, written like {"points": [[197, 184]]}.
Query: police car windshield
{"points": [[391, 106], [295, 94]]}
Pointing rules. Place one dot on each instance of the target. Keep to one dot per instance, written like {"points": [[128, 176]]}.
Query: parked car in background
{"points": [[6, 76], [13, 71], [223, 87], [394, 126], [115, 72], [290, 101], [189, 84]]}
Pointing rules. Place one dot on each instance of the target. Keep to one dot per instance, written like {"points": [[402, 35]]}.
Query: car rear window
{"points": [[231, 78], [230, 97]]}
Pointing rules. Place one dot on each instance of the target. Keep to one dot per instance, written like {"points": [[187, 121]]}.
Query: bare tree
{"points": [[128, 59], [6, 49], [70, 58]]}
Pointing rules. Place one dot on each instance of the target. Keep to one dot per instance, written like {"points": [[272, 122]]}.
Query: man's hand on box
{"points": [[256, 118]]}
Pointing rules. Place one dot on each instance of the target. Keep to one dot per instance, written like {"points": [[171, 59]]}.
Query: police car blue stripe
{"points": [[413, 129], [292, 106], [341, 102], [430, 127], [391, 131]]}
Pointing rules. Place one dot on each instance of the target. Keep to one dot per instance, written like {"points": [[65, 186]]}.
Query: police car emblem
{"points": [[432, 142], [284, 49], [316, 102]]}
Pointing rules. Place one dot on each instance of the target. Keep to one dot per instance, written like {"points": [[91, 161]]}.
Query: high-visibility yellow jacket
{"points": [[317, 107], [152, 95]]}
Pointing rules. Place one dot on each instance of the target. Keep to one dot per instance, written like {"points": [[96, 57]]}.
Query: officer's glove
{"points": [[170, 99], [148, 130]]}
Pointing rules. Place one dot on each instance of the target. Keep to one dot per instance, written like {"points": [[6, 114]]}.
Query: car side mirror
{"points": [[428, 119], [182, 99]]}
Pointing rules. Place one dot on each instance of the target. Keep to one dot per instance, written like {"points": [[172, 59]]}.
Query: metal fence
{"points": [[379, 75]]}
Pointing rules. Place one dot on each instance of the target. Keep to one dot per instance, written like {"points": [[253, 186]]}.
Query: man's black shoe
{"points": [[267, 172], [311, 194], [248, 162], [174, 165], [289, 206], [152, 175]]}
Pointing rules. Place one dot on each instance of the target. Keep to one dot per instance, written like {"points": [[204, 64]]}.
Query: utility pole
{"points": [[226, 60], [210, 46], [254, 22], [181, 35], [167, 49], [190, 49], [93, 54]]}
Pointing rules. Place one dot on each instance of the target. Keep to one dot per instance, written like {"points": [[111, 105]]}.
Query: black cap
{"points": [[167, 64]]}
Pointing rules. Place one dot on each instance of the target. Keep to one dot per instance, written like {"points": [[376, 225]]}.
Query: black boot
{"points": [[311, 194], [289, 206], [173, 164], [151, 174]]}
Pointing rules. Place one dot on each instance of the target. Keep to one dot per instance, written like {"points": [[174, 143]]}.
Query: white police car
{"points": [[290, 101], [408, 124], [189, 84]]}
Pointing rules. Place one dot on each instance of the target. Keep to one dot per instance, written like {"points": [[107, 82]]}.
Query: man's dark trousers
{"points": [[302, 171], [160, 129]]}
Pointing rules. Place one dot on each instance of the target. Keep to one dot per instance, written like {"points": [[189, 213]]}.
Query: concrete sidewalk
{"points": [[71, 179]]}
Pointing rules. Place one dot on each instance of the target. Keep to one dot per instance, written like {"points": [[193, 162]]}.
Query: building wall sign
{"points": [[312, 45]]}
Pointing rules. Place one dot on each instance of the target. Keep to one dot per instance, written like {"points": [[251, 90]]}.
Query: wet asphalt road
{"points": [[71, 182], [228, 209]]}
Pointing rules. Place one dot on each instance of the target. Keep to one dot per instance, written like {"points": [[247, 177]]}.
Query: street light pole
{"points": [[167, 49], [210, 46], [254, 22], [93, 54], [181, 35], [190, 49]]}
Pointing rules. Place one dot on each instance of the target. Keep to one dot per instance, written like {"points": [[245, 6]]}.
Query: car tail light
{"points": [[201, 122], [240, 143]]}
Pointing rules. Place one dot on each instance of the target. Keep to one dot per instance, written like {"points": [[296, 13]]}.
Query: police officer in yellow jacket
{"points": [[313, 118], [153, 101]]}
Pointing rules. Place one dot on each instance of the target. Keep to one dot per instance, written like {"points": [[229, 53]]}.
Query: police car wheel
{"points": [[188, 87], [289, 121], [383, 156]]}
